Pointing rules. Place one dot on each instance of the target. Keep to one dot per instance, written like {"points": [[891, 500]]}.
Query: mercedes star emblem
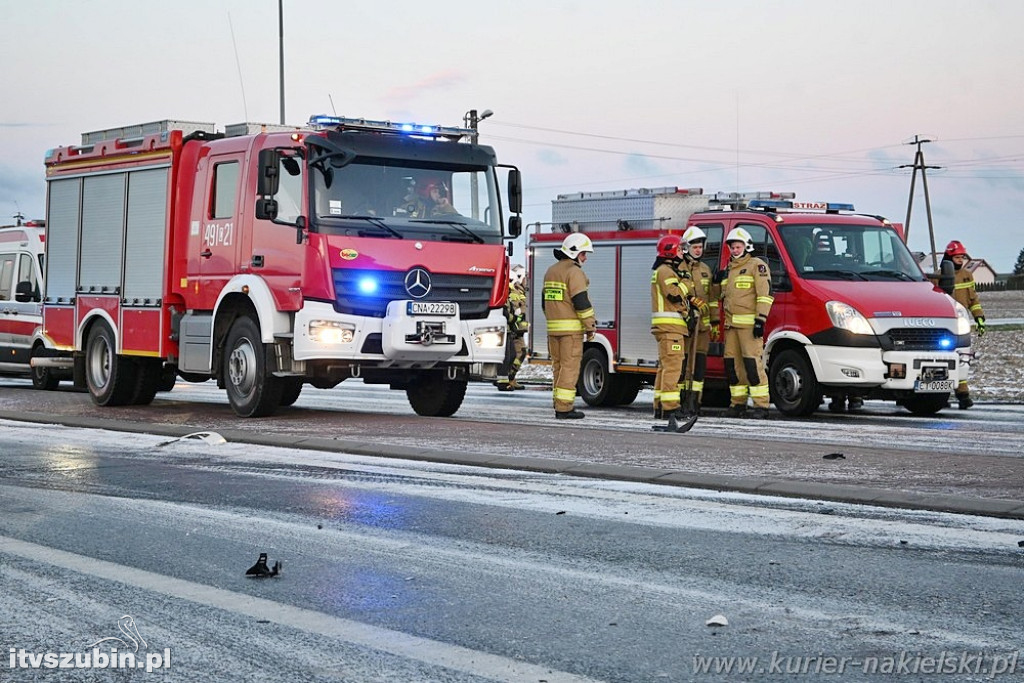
{"points": [[417, 283]]}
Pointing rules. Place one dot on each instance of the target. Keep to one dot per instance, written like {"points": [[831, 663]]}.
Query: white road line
{"points": [[423, 650]]}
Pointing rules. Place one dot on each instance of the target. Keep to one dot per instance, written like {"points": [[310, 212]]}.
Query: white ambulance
{"points": [[21, 287]]}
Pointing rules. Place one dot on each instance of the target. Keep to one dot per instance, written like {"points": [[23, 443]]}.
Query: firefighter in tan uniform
{"points": [[570, 318], [669, 316], [704, 300], [515, 314], [965, 292], [746, 301]]}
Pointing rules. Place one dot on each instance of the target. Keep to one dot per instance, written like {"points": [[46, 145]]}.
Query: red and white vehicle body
{"points": [[267, 257], [21, 310], [853, 313]]}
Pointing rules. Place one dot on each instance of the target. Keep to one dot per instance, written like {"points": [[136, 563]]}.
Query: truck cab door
{"points": [[214, 237]]}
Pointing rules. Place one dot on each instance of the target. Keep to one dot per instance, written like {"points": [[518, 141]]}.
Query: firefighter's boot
{"points": [[964, 401], [736, 410]]}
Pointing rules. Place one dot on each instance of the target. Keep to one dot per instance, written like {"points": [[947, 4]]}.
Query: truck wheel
{"points": [[291, 387], [794, 388], [596, 385], [925, 405], [111, 378], [252, 390], [43, 378], [431, 395], [168, 378], [629, 388], [147, 381]]}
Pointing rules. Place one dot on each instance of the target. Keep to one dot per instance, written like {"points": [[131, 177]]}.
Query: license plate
{"points": [[432, 308], [938, 387]]}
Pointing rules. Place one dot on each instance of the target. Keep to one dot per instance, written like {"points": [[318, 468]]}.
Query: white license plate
{"points": [[432, 308], [938, 387]]}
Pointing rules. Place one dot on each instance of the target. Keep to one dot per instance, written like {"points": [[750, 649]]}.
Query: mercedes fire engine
{"points": [[269, 257], [853, 316]]}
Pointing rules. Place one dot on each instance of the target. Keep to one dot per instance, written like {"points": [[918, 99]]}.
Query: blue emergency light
{"points": [[945, 343], [770, 204], [367, 285]]}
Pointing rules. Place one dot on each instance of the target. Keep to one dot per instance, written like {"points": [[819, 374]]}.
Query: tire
{"points": [[291, 387], [596, 385], [147, 381], [629, 388], [431, 395], [111, 378], [794, 388], [168, 378], [44, 379], [925, 405], [252, 390]]}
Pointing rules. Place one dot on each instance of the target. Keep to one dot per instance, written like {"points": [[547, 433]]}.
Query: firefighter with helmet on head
{"points": [[746, 302], [705, 302], [670, 313], [515, 314], [966, 294], [570, 318]]}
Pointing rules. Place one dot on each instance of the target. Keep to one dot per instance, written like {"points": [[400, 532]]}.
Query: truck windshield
{"points": [[849, 252], [401, 199]]}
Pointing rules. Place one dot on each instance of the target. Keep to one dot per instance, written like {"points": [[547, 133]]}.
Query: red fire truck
{"points": [[853, 317], [269, 257]]}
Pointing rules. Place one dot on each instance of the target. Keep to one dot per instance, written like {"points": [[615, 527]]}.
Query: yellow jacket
{"points": [[669, 308], [566, 303], [746, 291]]}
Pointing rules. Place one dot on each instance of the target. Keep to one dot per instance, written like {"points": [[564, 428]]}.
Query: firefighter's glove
{"points": [[759, 328], [699, 304], [715, 333], [980, 322]]}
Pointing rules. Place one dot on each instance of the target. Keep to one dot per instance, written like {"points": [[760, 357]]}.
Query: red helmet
{"points": [[424, 186], [668, 245], [955, 248]]}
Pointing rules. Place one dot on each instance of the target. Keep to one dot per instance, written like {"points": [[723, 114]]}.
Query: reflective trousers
{"points": [[671, 350], [745, 367], [566, 356]]}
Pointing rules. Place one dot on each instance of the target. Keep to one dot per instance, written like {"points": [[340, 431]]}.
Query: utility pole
{"points": [[280, 42], [919, 164], [471, 119]]}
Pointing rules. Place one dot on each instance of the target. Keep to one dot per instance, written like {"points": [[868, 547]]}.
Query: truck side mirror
{"points": [[24, 291], [947, 277], [515, 191], [268, 178], [266, 208], [515, 226]]}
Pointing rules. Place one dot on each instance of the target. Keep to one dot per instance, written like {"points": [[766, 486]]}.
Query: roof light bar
{"points": [[328, 122]]}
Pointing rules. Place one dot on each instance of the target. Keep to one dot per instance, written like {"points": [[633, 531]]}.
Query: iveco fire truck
{"points": [[269, 257], [853, 315]]}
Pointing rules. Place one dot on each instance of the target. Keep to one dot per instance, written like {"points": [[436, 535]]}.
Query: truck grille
{"points": [[368, 292], [914, 339]]}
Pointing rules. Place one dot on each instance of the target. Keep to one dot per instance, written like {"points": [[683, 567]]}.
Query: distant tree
{"points": [[1018, 269]]}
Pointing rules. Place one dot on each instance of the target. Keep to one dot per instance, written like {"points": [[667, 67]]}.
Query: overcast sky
{"points": [[813, 96]]}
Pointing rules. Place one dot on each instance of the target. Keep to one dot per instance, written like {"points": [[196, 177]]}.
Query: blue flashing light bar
{"points": [[367, 285], [328, 122], [770, 204]]}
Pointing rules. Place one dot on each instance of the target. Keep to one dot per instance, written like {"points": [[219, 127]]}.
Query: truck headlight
{"points": [[489, 337], [963, 319], [331, 332], [846, 317]]}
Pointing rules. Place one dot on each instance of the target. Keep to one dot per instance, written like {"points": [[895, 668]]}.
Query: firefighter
{"points": [[965, 292], [428, 198], [570, 318], [515, 314], [746, 302], [670, 313], [704, 301]]}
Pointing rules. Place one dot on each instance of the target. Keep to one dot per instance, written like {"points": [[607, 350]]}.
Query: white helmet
{"points": [[740, 235], [517, 274], [576, 243], [694, 234]]}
